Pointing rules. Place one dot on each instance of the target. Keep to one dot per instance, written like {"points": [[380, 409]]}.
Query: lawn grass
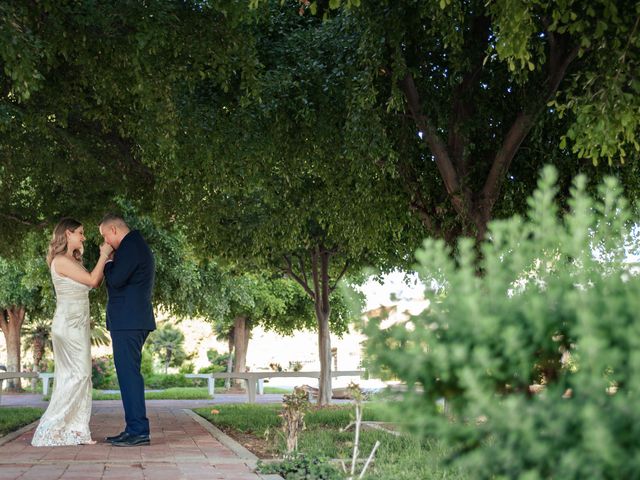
{"points": [[281, 390], [12, 418], [399, 457], [175, 393]]}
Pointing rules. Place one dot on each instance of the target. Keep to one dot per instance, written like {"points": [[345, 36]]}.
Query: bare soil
{"points": [[259, 446]]}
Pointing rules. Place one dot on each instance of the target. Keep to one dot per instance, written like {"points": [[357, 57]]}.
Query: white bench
{"points": [[13, 375], [45, 377], [210, 380], [255, 380]]}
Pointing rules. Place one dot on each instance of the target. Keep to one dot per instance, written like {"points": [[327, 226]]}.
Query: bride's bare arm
{"points": [[68, 267]]}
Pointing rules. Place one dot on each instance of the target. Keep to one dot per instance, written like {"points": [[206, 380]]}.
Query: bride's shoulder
{"points": [[60, 258], [61, 261]]}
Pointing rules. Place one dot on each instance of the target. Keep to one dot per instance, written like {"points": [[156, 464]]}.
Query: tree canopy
{"points": [[86, 97], [472, 98]]}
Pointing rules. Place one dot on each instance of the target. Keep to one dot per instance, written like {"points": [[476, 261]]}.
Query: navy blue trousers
{"points": [[127, 354]]}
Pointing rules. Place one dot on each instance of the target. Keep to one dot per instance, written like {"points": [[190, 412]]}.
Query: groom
{"points": [[129, 276]]}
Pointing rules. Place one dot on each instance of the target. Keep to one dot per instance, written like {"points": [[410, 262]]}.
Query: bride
{"points": [[66, 421]]}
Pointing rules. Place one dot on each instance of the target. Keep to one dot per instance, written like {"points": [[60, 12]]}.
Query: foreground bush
{"points": [[550, 300]]}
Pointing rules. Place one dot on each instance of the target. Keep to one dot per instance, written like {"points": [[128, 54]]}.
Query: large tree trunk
{"points": [[167, 361], [319, 289], [323, 313], [38, 353], [11, 321], [227, 381], [324, 347], [241, 344]]}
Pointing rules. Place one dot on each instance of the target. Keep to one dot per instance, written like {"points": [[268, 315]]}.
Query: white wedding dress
{"points": [[66, 421]]}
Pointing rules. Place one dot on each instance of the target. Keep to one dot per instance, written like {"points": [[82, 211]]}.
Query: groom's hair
{"points": [[110, 218]]}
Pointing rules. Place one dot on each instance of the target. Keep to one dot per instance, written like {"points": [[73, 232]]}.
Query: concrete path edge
{"points": [[230, 443], [15, 434]]}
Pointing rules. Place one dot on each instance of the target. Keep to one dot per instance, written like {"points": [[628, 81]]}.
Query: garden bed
{"points": [[257, 427]]}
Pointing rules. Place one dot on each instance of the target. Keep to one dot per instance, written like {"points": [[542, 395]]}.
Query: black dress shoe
{"points": [[132, 441], [118, 437]]}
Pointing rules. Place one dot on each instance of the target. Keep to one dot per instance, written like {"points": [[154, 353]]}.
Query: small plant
{"points": [[355, 392], [296, 406], [302, 467], [295, 366], [276, 367]]}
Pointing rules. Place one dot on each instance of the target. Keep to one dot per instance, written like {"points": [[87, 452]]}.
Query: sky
{"points": [[400, 284]]}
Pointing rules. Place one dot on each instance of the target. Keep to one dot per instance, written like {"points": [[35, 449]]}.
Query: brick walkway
{"points": [[183, 446]]}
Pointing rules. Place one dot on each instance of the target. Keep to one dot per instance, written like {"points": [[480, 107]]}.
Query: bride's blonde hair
{"points": [[58, 244]]}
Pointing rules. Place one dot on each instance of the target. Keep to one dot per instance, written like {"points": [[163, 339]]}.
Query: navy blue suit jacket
{"points": [[130, 278]]}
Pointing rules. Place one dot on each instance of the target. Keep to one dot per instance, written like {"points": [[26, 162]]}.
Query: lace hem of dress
{"points": [[45, 437]]}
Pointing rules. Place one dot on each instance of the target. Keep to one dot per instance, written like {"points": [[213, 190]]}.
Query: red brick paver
{"points": [[180, 448]]}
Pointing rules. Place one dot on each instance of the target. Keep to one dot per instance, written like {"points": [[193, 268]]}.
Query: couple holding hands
{"points": [[128, 266]]}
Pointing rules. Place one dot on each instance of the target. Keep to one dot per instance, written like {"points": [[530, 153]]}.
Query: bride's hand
{"points": [[106, 250]]}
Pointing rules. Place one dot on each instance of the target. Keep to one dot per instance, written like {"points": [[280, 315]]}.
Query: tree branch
{"points": [[4, 325], [16, 315], [417, 203], [561, 57], [461, 108], [438, 148], [325, 257], [302, 269], [420, 209], [289, 271], [23, 221], [346, 265], [316, 281]]}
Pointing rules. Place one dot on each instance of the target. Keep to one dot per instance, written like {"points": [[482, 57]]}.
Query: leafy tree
{"points": [[36, 335], [216, 358], [167, 343], [83, 108], [471, 98], [225, 333], [275, 189], [244, 301], [16, 298], [556, 304]]}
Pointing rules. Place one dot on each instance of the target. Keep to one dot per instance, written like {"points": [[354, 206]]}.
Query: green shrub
{"points": [[146, 363], [550, 299], [216, 358], [167, 344], [170, 380], [302, 467], [213, 368], [187, 367], [103, 373]]}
